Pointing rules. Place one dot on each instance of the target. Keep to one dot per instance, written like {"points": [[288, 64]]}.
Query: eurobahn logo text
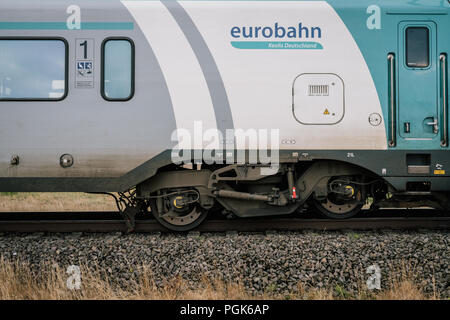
{"points": [[280, 37]]}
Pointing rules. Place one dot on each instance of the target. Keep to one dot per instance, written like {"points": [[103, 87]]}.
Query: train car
{"points": [[251, 108]]}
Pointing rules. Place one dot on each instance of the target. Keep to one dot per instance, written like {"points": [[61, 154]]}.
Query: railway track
{"points": [[111, 222]]}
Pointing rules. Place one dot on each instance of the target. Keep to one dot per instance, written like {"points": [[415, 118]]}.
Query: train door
{"points": [[418, 69]]}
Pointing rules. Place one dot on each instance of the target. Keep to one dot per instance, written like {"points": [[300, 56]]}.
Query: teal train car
{"points": [[251, 108]]}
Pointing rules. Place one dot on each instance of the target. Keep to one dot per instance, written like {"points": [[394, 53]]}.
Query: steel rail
{"points": [[241, 225]]}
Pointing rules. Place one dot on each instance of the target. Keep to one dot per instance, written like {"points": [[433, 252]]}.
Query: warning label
{"points": [[326, 112]]}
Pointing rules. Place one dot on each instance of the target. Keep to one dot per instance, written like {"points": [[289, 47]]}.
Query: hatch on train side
{"points": [[318, 99]]}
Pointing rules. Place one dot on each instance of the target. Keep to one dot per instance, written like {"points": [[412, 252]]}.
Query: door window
{"points": [[417, 47]]}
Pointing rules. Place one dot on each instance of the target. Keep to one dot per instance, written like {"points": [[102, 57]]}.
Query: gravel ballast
{"points": [[272, 262]]}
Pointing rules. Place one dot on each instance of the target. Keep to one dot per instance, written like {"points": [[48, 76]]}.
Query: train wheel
{"points": [[342, 203], [178, 216]]}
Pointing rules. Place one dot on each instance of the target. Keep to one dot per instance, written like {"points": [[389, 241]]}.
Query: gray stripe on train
{"points": [[207, 63], [157, 99]]}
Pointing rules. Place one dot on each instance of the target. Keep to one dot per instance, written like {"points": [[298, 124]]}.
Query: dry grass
{"points": [[403, 284], [55, 202], [17, 282], [405, 290]]}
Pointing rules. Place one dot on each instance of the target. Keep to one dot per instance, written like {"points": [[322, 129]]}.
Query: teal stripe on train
{"points": [[63, 26]]}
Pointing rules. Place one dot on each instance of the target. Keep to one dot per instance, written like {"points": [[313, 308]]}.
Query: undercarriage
{"points": [[181, 197]]}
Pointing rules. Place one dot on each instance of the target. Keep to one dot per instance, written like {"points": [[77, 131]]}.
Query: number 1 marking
{"points": [[84, 44]]}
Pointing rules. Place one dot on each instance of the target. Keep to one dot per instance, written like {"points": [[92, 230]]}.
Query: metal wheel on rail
{"points": [[344, 200], [178, 210]]}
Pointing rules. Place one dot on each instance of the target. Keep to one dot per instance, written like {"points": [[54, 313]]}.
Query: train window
{"points": [[118, 69], [417, 47], [33, 69]]}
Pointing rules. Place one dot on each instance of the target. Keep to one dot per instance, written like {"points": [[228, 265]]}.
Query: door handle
{"points": [[435, 125], [392, 131], [444, 140]]}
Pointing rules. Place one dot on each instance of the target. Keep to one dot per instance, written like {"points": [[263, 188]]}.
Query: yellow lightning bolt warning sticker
{"points": [[439, 169]]}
